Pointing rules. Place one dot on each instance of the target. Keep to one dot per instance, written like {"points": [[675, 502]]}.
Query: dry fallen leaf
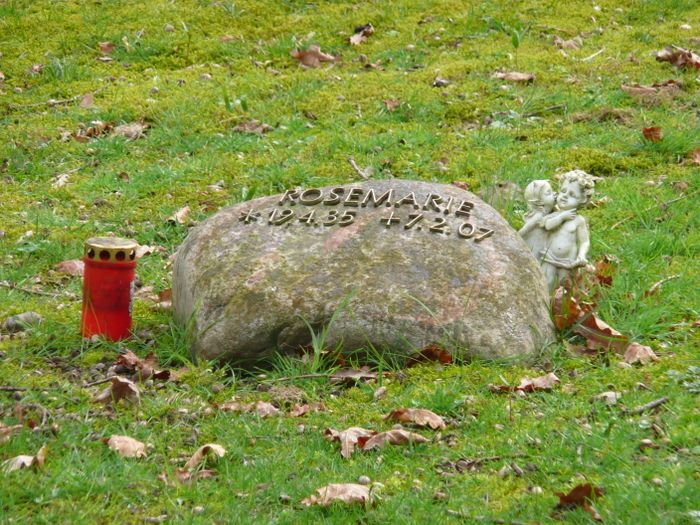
{"points": [[392, 103], [261, 408], [21, 462], [679, 57], [126, 446], [119, 389], [339, 492], [565, 309], [542, 383], [391, 437], [417, 416], [210, 449], [609, 397], [140, 369], [652, 134], [60, 180], [311, 57], [641, 354], [580, 496], [431, 353], [694, 156], [106, 47], [253, 126], [361, 34], [301, 410], [6, 432], [87, 101], [132, 131], [348, 438], [573, 43], [599, 335], [180, 216], [514, 76], [75, 267], [351, 375], [143, 250], [653, 93]]}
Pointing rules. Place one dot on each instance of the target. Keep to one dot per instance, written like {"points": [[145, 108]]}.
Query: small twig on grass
{"points": [[357, 169], [4, 388], [649, 406], [12, 286], [658, 205], [99, 382], [591, 57], [657, 285], [545, 110], [52, 102]]}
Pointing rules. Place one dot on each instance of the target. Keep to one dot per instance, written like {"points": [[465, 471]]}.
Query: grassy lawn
{"points": [[194, 70]]}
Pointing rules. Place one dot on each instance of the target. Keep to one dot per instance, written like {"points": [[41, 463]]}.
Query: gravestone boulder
{"points": [[394, 265]]}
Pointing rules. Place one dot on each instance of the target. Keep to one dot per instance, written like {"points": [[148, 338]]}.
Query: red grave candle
{"points": [[108, 287]]}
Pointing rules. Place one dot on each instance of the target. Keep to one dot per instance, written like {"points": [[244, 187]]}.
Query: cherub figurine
{"points": [[540, 201], [567, 238]]}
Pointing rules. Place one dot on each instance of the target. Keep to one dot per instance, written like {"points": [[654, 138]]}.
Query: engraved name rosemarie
{"points": [[430, 214]]}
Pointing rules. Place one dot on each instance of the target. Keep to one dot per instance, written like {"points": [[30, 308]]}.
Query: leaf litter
{"points": [[580, 496], [361, 34], [312, 56], [417, 416], [24, 462], [120, 388], [350, 493], [126, 447]]}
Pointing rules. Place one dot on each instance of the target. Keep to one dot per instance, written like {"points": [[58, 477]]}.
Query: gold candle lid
{"points": [[110, 249]]}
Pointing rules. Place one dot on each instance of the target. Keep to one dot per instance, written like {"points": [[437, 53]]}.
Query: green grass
{"points": [[191, 145]]}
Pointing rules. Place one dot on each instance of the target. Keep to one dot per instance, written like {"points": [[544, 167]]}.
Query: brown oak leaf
{"points": [[120, 388], [430, 353], [641, 354], [126, 446], [311, 57], [600, 335], [653, 134], [348, 438], [391, 437], [302, 410], [417, 416], [209, 450], [22, 462], [580, 496], [338, 492]]}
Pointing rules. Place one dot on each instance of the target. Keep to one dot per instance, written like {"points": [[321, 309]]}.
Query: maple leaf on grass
{"points": [[641, 354], [22, 462], [126, 446], [417, 416], [120, 388], [391, 437], [311, 57], [580, 496], [209, 450], [339, 493], [348, 438]]}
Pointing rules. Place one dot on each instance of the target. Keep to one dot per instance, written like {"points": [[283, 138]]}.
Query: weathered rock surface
{"points": [[400, 269]]}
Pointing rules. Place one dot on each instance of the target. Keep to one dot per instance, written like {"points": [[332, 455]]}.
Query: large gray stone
{"points": [[248, 288]]}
